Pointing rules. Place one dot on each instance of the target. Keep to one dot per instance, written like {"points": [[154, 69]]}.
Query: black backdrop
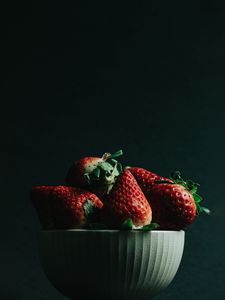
{"points": [[87, 77]]}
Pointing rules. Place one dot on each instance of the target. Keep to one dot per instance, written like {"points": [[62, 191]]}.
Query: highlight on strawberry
{"points": [[99, 194]]}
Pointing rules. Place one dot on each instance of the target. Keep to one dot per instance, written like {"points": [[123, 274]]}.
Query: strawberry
{"points": [[145, 178], [40, 198], [72, 206], [96, 174], [65, 207], [174, 203], [173, 207], [126, 201]]}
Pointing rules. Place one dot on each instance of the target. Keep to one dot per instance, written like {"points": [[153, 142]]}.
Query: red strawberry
{"points": [[71, 206], [96, 174], [126, 200], [173, 206], [67, 207], [175, 203], [145, 178], [40, 199]]}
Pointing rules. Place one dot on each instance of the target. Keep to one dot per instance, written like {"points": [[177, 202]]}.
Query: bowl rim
{"points": [[108, 230]]}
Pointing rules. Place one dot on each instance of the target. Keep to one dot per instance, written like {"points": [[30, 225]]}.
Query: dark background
{"points": [[87, 77]]}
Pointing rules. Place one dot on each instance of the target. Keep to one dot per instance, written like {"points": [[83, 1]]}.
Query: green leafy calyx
{"points": [[105, 172], [88, 207], [149, 227], [129, 225]]}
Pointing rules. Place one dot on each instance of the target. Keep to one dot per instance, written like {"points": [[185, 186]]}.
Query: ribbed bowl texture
{"points": [[110, 264]]}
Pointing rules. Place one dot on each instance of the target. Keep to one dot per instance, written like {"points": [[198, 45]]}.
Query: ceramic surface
{"points": [[110, 264]]}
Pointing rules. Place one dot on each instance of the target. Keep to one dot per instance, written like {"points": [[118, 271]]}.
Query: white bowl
{"points": [[110, 264]]}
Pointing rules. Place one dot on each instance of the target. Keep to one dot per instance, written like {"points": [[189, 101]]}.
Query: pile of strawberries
{"points": [[100, 194]]}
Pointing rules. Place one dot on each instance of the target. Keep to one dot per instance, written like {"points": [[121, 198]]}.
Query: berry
{"points": [[126, 200], [63, 207], [97, 174], [173, 206], [146, 179]]}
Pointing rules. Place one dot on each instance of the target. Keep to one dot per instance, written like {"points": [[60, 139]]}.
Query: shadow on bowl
{"points": [[110, 264]]}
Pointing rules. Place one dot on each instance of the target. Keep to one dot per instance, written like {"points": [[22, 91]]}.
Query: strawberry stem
{"points": [[116, 154], [106, 155]]}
